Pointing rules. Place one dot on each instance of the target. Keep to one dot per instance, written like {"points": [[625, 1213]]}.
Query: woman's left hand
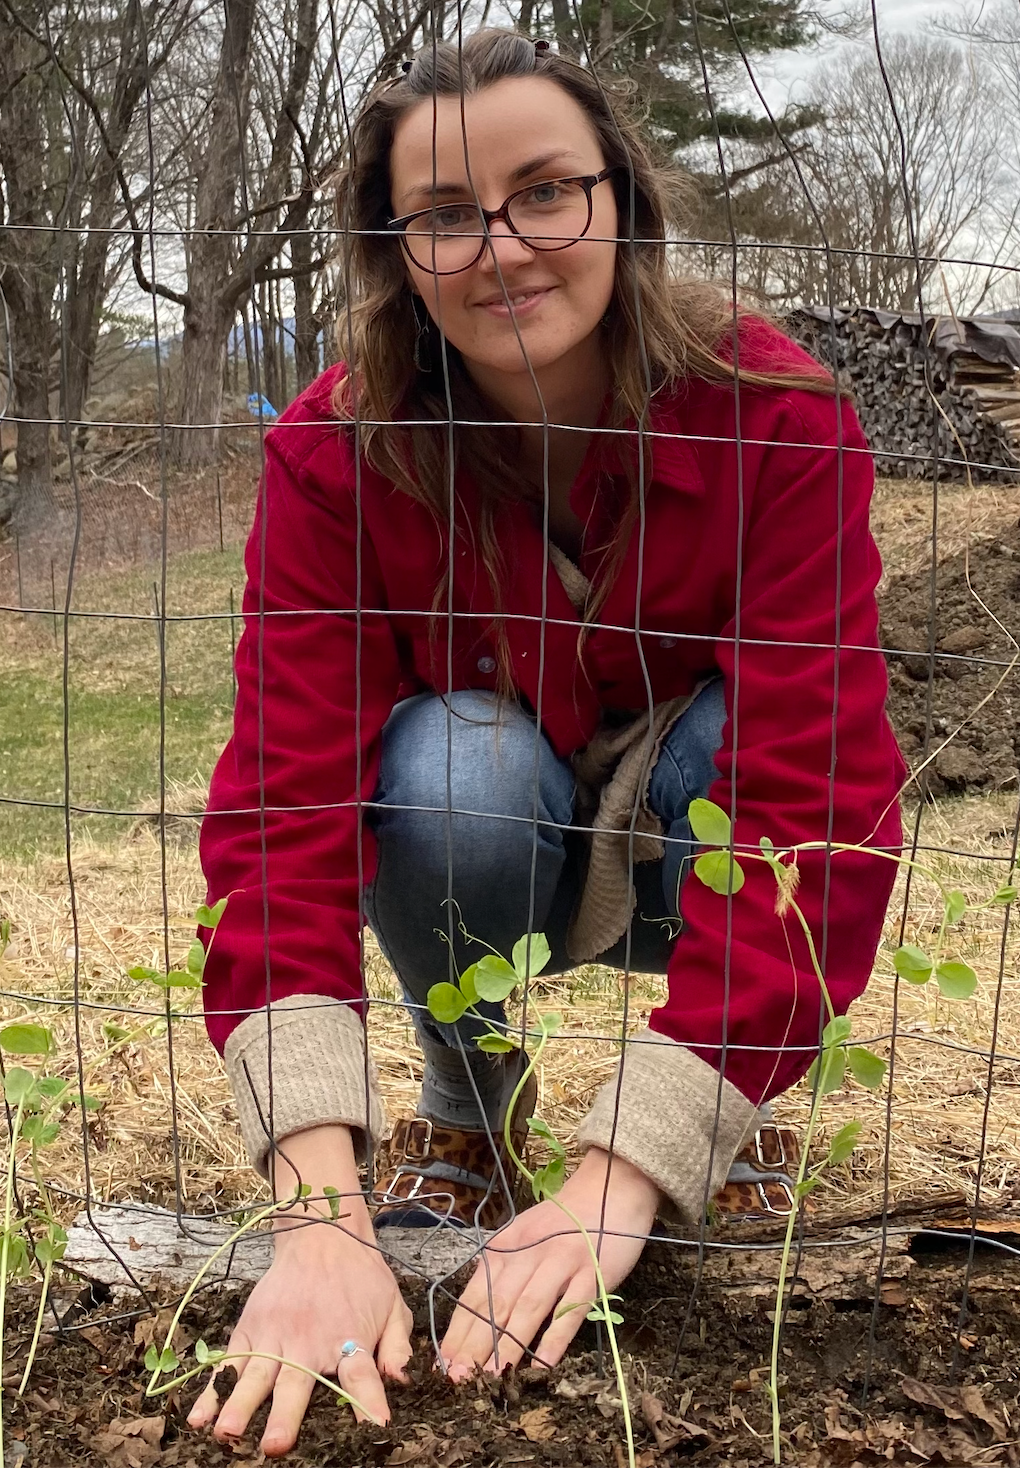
{"points": [[540, 1262]]}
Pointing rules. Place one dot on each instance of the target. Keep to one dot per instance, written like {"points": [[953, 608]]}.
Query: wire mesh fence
{"points": [[559, 766]]}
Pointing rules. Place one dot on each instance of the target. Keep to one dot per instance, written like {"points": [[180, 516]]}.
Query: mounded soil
{"points": [[971, 652], [698, 1351]]}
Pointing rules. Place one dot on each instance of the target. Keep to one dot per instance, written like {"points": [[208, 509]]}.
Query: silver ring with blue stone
{"points": [[350, 1348]]}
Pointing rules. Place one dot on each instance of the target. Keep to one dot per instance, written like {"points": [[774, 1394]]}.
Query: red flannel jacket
{"points": [[756, 560]]}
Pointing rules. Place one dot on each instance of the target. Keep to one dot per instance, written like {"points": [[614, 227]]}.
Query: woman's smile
{"points": [[524, 301]]}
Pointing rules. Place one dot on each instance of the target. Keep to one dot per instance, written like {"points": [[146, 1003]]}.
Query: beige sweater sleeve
{"points": [[678, 1121], [318, 1075]]}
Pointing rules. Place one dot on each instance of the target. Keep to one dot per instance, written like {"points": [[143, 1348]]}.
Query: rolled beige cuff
{"points": [[678, 1121], [319, 1074]]}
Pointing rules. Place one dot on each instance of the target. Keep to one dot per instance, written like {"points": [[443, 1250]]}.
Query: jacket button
{"points": [[486, 665], [667, 642]]}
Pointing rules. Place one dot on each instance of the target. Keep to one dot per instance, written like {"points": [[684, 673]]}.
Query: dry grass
{"points": [[154, 1093], [939, 1089], [902, 514]]}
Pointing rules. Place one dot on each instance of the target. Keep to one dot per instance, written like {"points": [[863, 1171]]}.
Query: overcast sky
{"points": [[781, 76]]}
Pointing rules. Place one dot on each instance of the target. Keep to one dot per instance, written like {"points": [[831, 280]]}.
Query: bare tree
{"points": [[70, 88], [906, 169]]}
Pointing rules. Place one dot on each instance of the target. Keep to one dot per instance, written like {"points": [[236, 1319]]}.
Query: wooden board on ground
{"points": [[130, 1247]]}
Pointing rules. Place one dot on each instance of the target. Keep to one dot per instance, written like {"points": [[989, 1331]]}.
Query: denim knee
{"points": [[685, 771], [455, 818], [473, 762]]}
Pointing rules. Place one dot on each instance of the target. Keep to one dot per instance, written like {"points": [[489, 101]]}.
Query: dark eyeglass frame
{"points": [[588, 182]]}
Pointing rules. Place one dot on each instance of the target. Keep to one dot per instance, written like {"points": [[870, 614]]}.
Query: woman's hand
{"points": [[540, 1262], [327, 1284]]}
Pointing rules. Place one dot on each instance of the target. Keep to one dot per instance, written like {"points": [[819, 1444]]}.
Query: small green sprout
{"points": [[720, 870], [492, 979]]}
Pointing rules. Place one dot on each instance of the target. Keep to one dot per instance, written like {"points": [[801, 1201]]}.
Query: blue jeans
{"points": [[503, 863]]}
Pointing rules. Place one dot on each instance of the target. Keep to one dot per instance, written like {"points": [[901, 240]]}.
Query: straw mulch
{"points": [[168, 1120], [168, 1126]]}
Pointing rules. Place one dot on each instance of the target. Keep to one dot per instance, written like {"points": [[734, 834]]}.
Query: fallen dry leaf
{"points": [[943, 1399], [537, 1425], [407, 1452], [974, 1403], [963, 1404], [131, 1442]]}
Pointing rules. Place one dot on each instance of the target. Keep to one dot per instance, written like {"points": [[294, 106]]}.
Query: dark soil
{"points": [[698, 1398], [971, 653]]}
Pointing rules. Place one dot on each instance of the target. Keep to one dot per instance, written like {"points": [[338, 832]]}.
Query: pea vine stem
{"points": [[603, 1293], [5, 1244], [219, 1357]]}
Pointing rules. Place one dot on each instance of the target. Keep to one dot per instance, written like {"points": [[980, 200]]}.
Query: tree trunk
{"points": [[32, 350], [306, 328], [29, 260], [212, 289], [203, 355]]}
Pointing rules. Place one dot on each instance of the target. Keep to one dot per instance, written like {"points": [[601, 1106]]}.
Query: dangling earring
{"points": [[422, 345]]}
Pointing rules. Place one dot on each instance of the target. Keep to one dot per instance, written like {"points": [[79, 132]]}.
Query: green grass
{"points": [[113, 703]]}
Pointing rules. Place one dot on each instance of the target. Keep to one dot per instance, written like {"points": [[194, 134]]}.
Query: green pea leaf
{"points": [[495, 1044], [495, 979], [142, 974], [196, 959], [209, 917], [51, 1086], [179, 978], [867, 1068], [332, 1196], [956, 906], [19, 1261], [709, 822], [836, 1031], [805, 1186], [467, 984], [540, 1128], [720, 871], [35, 1129], [956, 980], [165, 1360], [597, 1312], [18, 1085], [831, 1070], [550, 1022], [912, 964], [843, 1143], [1005, 895], [26, 1038], [206, 1357], [446, 1003], [549, 1179], [51, 1247], [569, 1306], [767, 846], [114, 1032], [527, 966], [87, 1103]]}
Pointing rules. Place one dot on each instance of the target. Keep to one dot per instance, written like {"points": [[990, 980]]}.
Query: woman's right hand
{"points": [[328, 1284]]}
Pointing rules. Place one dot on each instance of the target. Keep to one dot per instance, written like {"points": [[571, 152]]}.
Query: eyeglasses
{"points": [[547, 216]]}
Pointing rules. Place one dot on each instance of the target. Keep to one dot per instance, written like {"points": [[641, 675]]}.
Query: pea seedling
{"points": [[493, 979], [720, 870], [37, 1107], [163, 1361]]}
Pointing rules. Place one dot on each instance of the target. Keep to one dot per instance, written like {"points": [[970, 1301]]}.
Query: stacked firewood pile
{"points": [[943, 390]]}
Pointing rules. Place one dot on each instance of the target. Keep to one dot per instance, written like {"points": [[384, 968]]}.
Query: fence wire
{"points": [[121, 584]]}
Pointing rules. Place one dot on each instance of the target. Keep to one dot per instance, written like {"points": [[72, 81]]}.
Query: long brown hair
{"points": [[659, 329]]}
